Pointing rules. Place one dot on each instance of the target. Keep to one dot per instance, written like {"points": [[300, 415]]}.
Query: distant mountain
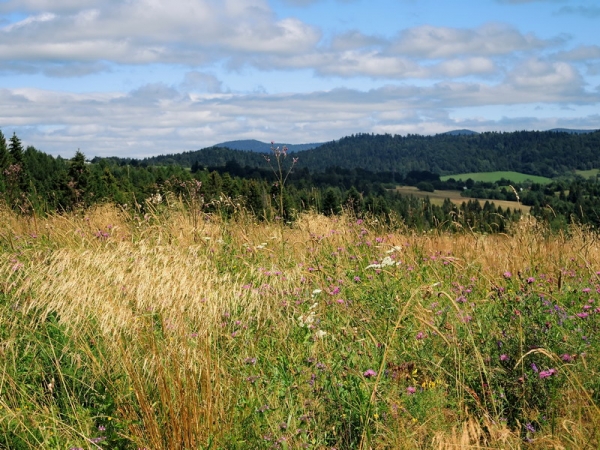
{"points": [[570, 131], [461, 132], [252, 145]]}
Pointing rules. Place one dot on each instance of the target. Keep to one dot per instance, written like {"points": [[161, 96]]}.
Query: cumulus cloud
{"points": [[440, 42], [580, 53], [159, 118], [59, 40], [538, 75], [149, 31]]}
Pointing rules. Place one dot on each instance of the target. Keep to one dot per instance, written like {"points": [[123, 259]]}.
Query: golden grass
{"points": [[167, 278]]}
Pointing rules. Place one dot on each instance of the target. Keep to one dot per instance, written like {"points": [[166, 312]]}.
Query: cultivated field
{"points": [[438, 197], [174, 331]]}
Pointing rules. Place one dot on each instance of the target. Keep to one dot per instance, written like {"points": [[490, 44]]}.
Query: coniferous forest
{"points": [[357, 174]]}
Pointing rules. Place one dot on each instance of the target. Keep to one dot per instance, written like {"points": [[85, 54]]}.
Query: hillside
{"points": [[548, 153], [252, 145]]}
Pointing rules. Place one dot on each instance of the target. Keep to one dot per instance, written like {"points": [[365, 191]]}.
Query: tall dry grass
{"points": [[147, 307]]}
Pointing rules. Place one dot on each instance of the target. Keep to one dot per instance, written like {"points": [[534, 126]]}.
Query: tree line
{"points": [[34, 182], [547, 153]]}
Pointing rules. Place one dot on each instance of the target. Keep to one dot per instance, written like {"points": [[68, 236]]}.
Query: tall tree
{"points": [[4, 155], [78, 178], [15, 148]]}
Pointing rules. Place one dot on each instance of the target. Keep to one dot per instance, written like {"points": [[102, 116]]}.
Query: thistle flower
{"points": [[369, 373]]}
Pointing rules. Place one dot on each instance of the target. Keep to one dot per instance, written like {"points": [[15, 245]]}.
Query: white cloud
{"points": [[158, 118], [152, 31], [440, 42], [580, 53], [542, 76]]}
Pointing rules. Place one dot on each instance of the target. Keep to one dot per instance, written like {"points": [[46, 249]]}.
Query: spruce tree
{"points": [[4, 155], [15, 148]]}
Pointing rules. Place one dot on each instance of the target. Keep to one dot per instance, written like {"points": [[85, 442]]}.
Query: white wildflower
{"points": [[320, 334], [316, 292], [305, 321], [386, 262]]}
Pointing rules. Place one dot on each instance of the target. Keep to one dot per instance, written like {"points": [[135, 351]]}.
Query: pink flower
{"points": [[547, 373], [507, 274], [369, 373], [411, 390], [503, 357]]}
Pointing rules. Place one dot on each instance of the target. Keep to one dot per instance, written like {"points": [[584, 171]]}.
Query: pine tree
{"points": [[15, 148], [4, 155]]}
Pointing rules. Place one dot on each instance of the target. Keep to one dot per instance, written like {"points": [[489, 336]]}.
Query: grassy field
{"points": [[515, 177], [438, 197], [593, 173], [173, 331]]}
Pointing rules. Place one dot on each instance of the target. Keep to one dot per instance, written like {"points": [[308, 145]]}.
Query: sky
{"points": [[145, 77]]}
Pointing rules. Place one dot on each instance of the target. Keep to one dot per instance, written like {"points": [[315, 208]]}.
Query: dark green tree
{"points": [[4, 155], [15, 148], [331, 202], [78, 178]]}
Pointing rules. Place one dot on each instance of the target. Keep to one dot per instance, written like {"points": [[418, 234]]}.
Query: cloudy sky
{"points": [[144, 77]]}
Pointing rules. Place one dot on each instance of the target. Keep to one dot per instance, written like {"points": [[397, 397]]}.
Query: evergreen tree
{"points": [[331, 202], [4, 155], [78, 179], [15, 148]]}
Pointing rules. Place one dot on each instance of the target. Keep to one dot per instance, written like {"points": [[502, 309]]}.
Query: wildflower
{"points": [[420, 335], [582, 315], [369, 373], [530, 280], [411, 390], [250, 361], [316, 292], [320, 334], [534, 368], [503, 357], [529, 427], [566, 357], [547, 373], [507, 274]]}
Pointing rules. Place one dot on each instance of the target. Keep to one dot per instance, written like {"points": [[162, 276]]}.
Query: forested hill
{"points": [[547, 153], [536, 153]]}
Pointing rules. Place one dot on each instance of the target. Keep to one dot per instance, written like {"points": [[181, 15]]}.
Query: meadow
{"points": [[437, 198], [173, 330], [515, 177]]}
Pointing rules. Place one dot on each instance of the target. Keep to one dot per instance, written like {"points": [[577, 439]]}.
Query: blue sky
{"points": [[145, 77]]}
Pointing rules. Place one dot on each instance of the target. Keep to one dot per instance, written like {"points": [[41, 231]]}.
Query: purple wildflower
{"points": [[369, 373]]}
